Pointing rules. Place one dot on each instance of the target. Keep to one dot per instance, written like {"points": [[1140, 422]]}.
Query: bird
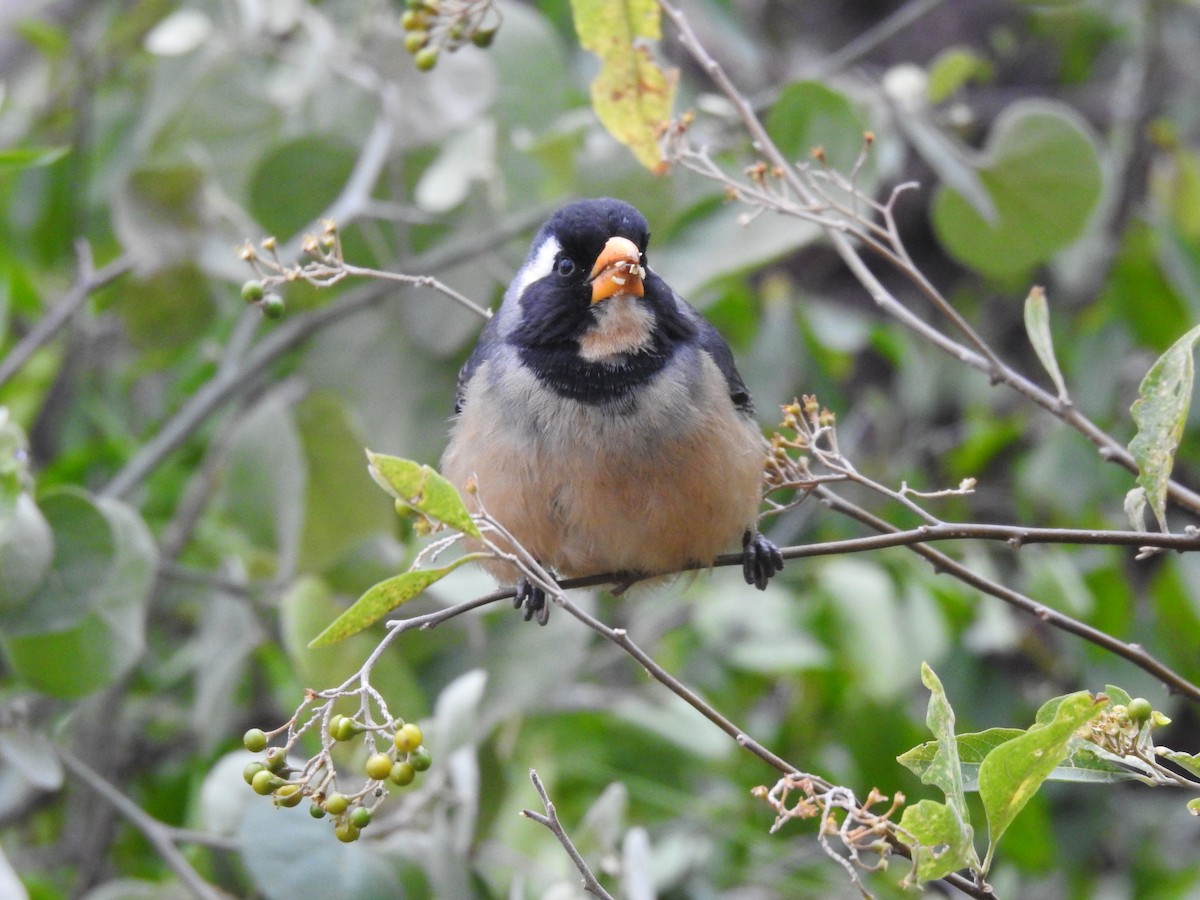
{"points": [[601, 419]]}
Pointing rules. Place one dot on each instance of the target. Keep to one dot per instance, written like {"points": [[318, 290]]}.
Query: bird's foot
{"points": [[533, 598], [761, 559]]}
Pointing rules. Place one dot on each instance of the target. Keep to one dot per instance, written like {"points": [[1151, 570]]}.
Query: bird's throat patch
{"points": [[623, 326]]}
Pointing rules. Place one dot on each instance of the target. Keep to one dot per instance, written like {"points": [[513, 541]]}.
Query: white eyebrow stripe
{"points": [[538, 267]]}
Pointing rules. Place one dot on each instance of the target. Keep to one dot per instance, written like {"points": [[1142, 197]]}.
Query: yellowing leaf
{"points": [[632, 95], [1037, 326], [422, 488]]}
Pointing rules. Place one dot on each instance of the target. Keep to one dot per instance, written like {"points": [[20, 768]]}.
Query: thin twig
{"points": [[87, 282], [868, 40], [980, 356], [550, 820], [229, 382]]}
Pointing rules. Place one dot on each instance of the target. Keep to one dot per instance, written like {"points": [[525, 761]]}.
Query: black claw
{"points": [[761, 559], [533, 598]]}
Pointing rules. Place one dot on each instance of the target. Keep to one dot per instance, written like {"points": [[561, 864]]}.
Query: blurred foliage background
{"points": [[186, 500]]}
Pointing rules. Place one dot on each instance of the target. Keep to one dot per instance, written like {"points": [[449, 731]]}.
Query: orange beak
{"points": [[618, 270]]}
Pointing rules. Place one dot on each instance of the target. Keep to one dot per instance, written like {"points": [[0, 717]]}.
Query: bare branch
{"points": [[979, 355], [550, 820]]}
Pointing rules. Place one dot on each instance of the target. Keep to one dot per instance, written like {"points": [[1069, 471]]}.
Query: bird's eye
{"points": [[566, 266]]}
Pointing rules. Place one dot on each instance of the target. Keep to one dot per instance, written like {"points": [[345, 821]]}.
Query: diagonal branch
{"points": [[87, 283], [979, 355], [162, 837]]}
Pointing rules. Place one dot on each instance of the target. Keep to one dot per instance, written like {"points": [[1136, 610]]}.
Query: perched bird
{"points": [[601, 419]]}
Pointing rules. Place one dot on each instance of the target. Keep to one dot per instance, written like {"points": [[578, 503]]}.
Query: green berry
{"points": [[426, 58], [316, 811], [254, 740], [289, 795], [272, 306], [415, 40], [403, 773], [408, 738], [252, 292], [336, 804], [276, 759], [1140, 709], [266, 782], [347, 832], [360, 817], [421, 759], [414, 20], [483, 37], [379, 766], [252, 769], [344, 729]]}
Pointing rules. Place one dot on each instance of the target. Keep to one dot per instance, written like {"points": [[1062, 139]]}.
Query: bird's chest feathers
{"points": [[623, 325]]}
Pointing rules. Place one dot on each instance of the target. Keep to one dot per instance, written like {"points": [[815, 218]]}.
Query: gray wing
{"points": [[714, 344], [488, 339]]}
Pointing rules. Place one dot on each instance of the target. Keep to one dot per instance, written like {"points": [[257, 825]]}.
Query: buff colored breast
{"points": [[673, 483]]}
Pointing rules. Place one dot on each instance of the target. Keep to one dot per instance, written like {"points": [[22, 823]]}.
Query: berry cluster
{"points": [[399, 764], [434, 27], [255, 294]]}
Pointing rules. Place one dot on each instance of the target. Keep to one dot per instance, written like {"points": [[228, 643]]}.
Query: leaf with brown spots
{"points": [[633, 94]]}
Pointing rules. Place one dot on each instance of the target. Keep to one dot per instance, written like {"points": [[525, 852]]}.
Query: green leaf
{"points": [[1013, 772], [944, 770], [1042, 171], [26, 551], [1081, 765], [871, 625], [381, 599], [1187, 761], [51, 40], [165, 311], [303, 861], [1037, 326], [422, 488], [809, 115], [940, 842], [632, 95], [943, 831], [342, 507], [31, 157], [297, 181], [1160, 412], [953, 68], [304, 611], [1117, 696], [84, 627], [973, 748]]}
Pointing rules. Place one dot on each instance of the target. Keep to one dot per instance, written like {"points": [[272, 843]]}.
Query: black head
{"points": [[560, 310]]}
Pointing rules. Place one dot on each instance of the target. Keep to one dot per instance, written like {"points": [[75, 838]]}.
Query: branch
{"points": [[231, 380], [942, 563], [162, 837], [890, 536], [87, 282], [979, 356], [590, 883]]}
